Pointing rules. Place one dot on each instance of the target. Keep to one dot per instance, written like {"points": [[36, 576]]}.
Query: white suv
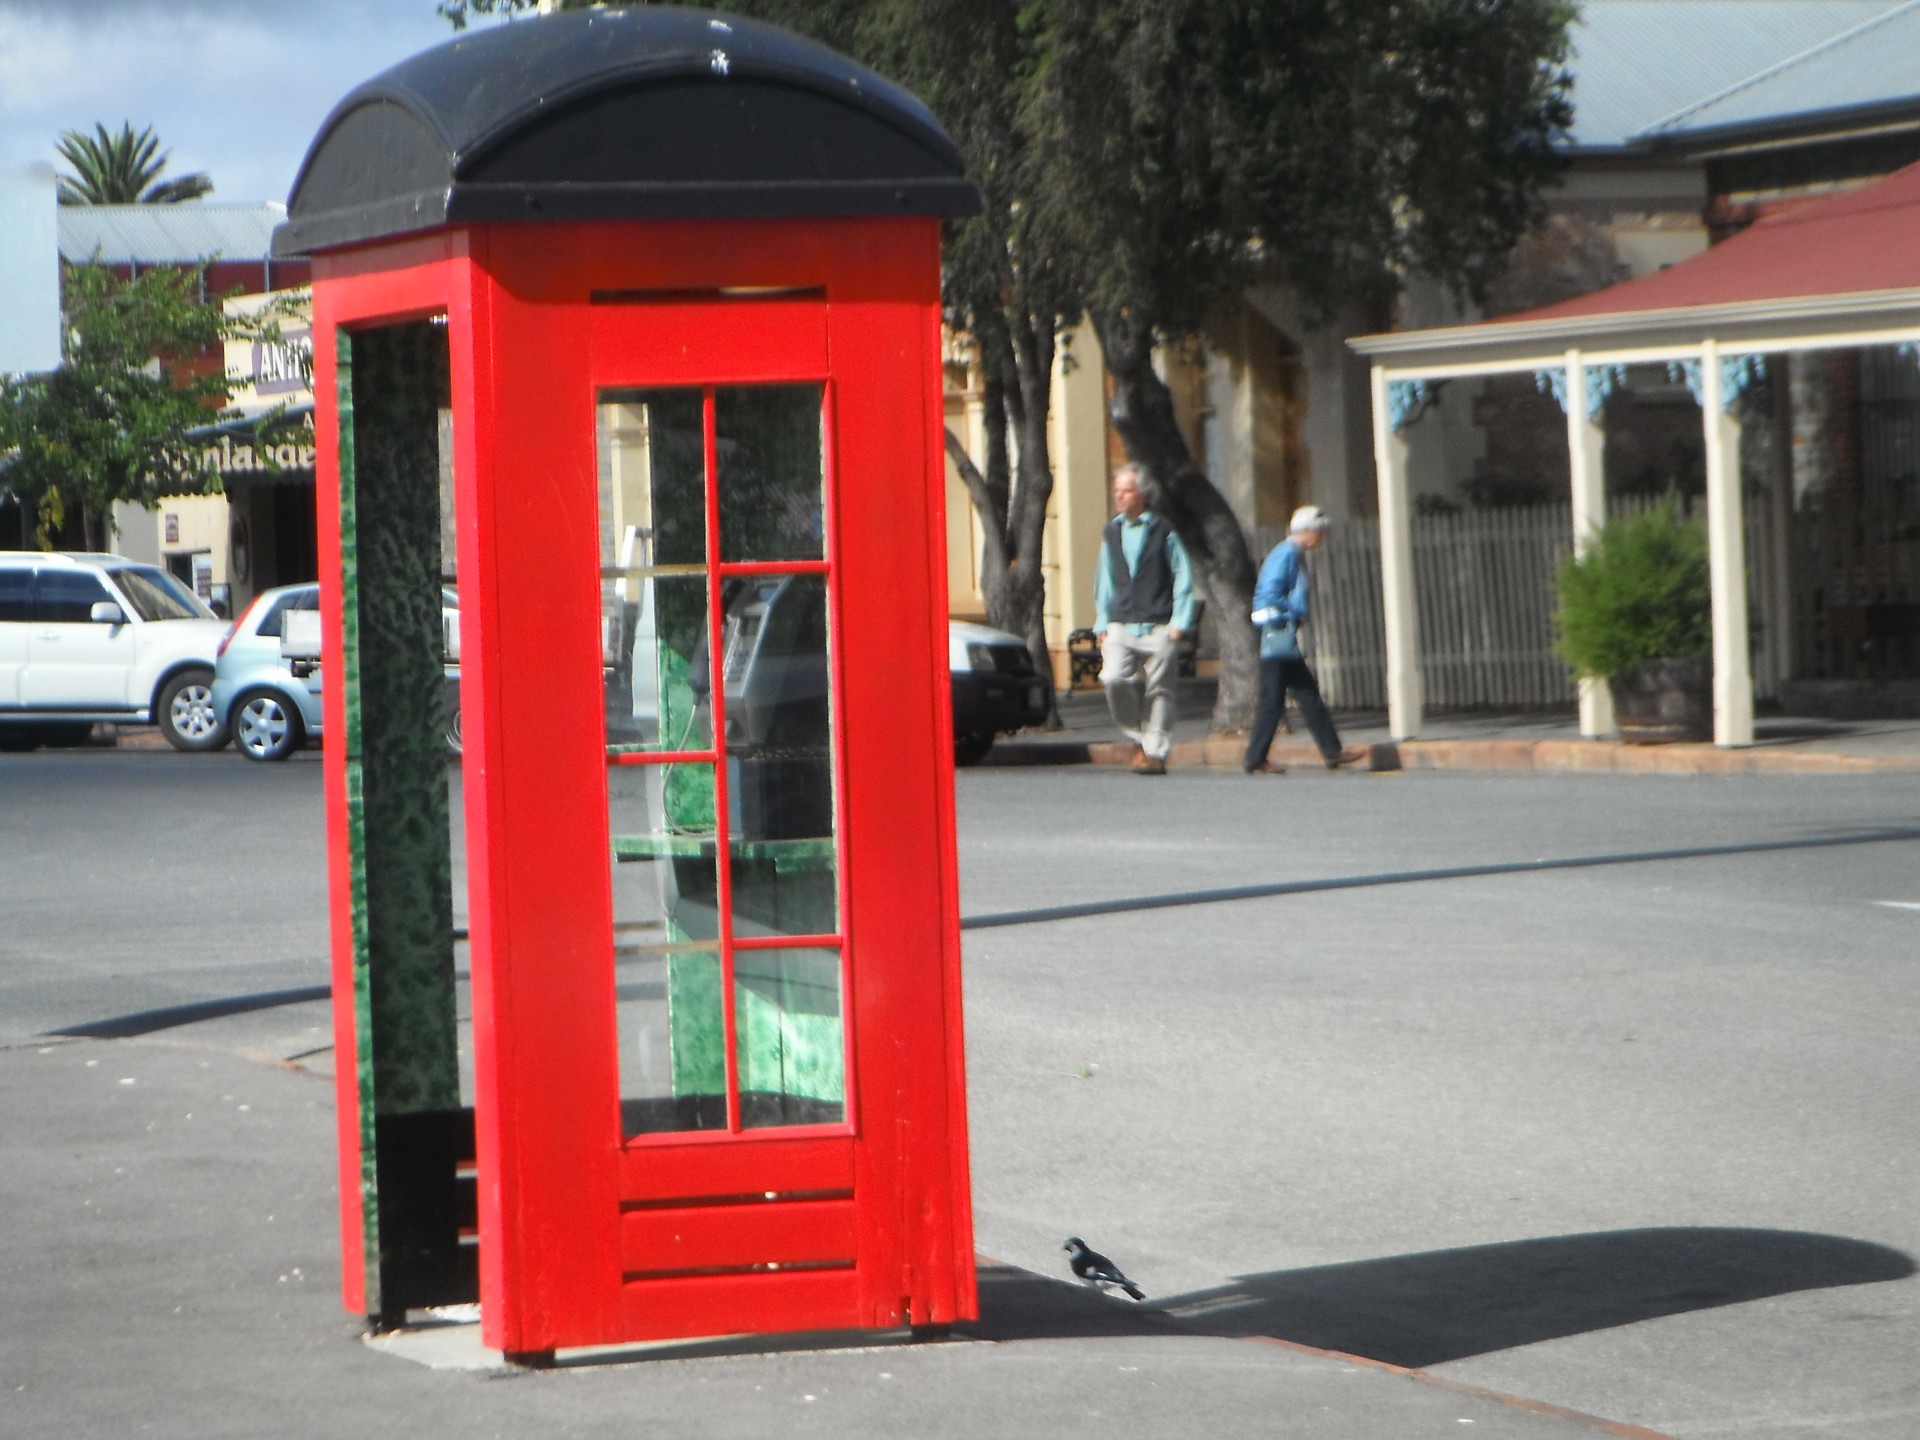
{"points": [[101, 637]]}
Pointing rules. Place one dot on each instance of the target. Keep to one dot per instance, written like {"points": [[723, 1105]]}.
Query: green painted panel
{"points": [[395, 679], [361, 1060], [696, 1025], [786, 1020], [392, 388]]}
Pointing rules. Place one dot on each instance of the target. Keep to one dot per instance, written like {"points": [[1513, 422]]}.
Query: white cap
{"points": [[1307, 517]]}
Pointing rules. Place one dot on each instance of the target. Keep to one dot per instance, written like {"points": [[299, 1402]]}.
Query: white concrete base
{"points": [[448, 1338]]}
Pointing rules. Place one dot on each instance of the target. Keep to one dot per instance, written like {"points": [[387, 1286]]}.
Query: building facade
{"points": [[1692, 119]]}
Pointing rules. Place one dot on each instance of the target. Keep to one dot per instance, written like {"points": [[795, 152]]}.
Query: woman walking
{"points": [[1280, 608]]}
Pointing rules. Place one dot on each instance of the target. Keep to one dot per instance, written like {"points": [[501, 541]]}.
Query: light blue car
{"points": [[272, 703]]}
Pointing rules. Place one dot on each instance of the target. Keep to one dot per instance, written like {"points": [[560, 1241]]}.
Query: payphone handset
{"points": [[773, 667], [773, 663]]}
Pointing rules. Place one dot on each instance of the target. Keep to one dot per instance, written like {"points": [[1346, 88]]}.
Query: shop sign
{"points": [[228, 457]]}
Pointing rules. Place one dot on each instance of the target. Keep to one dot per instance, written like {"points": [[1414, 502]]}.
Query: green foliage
{"points": [[1143, 162], [122, 169], [111, 423], [1193, 147], [1152, 158], [1642, 592]]}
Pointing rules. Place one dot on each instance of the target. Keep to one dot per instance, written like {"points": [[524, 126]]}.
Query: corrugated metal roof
{"points": [[1877, 63], [1639, 62], [168, 234]]}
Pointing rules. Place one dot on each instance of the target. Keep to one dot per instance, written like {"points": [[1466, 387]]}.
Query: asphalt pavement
{"points": [[1538, 1104]]}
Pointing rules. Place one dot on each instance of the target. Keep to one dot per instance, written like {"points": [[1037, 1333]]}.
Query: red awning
{"points": [[1867, 239]]}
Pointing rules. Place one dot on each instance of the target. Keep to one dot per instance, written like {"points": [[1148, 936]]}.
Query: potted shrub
{"points": [[1636, 611]]}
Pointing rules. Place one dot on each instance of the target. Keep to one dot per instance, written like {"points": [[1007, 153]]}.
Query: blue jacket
{"points": [[1280, 594]]}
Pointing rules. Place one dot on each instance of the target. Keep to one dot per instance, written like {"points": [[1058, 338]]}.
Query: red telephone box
{"points": [[640, 308]]}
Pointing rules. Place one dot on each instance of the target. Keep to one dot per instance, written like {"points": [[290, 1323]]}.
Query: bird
{"points": [[1097, 1270]]}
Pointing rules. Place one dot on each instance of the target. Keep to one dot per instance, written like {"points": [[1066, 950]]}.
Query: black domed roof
{"points": [[651, 113]]}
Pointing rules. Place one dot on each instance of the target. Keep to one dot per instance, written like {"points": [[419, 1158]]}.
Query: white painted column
{"points": [[1396, 568], [1726, 554], [1586, 452]]}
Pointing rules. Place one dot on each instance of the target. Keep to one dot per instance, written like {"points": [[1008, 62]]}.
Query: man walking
{"points": [[1279, 610], [1142, 605]]}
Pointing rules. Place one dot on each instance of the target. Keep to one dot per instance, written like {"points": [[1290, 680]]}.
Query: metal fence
{"points": [[1484, 607]]}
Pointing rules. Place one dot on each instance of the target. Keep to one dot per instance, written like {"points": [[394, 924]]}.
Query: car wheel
{"points": [[454, 743], [266, 726], [18, 739], [184, 712], [970, 747]]}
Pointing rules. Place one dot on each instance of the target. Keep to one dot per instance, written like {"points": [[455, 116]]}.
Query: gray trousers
{"points": [[1137, 669]]}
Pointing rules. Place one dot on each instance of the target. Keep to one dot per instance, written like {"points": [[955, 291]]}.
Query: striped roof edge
{"points": [[185, 234]]}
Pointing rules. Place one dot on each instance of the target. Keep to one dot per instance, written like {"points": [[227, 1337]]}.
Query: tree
{"points": [[1143, 161], [122, 169], [1189, 148], [111, 423], [1002, 287]]}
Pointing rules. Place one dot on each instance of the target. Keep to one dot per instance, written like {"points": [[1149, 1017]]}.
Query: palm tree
{"points": [[122, 169]]}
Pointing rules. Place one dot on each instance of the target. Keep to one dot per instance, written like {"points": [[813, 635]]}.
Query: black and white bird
{"points": [[1097, 1270]]}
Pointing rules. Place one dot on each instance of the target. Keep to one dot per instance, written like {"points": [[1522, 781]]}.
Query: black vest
{"points": [[1146, 596]]}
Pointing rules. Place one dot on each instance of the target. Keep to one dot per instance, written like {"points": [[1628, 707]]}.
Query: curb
{"points": [[1613, 756], [1605, 756], [142, 739]]}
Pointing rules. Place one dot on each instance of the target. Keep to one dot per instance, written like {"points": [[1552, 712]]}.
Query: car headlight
{"points": [[980, 657]]}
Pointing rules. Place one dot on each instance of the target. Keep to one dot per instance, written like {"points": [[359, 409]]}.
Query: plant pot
{"points": [[1659, 702]]}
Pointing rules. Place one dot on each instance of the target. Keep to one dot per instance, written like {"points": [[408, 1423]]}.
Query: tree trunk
{"points": [[1142, 411], [1033, 349], [1012, 493], [93, 526]]}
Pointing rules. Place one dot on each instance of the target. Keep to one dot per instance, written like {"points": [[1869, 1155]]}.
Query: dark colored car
{"points": [[996, 688]]}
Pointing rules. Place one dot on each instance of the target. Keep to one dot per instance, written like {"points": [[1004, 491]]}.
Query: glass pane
{"points": [[660, 818], [792, 1058], [16, 595], [653, 498], [769, 456], [779, 755], [67, 597], [658, 676], [652, 552], [156, 595], [673, 1068]]}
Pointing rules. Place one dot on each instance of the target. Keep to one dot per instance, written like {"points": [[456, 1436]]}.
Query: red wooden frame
{"points": [[874, 1224]]}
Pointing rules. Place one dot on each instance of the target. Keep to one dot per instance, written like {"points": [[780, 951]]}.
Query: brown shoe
{"points": [[1349, 755], [1265, 767], [1147, 765]]}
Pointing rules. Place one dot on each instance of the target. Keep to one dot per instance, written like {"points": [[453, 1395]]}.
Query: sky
{"points": [[234, 88]]}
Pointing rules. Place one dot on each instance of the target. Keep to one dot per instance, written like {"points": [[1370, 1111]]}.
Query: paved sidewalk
{"points": [[171, 1268], [1527, 741], [1548, 740]]}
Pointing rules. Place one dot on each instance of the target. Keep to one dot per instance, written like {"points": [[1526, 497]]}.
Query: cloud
{"points": [[235, 88]]}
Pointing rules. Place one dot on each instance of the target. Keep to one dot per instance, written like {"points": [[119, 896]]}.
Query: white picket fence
{"points": [[1484, 605]]}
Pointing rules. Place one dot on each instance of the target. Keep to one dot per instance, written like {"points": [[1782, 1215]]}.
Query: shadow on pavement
{"points": [[1017, 1304], [1123, 904], [1422, 1310]]}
